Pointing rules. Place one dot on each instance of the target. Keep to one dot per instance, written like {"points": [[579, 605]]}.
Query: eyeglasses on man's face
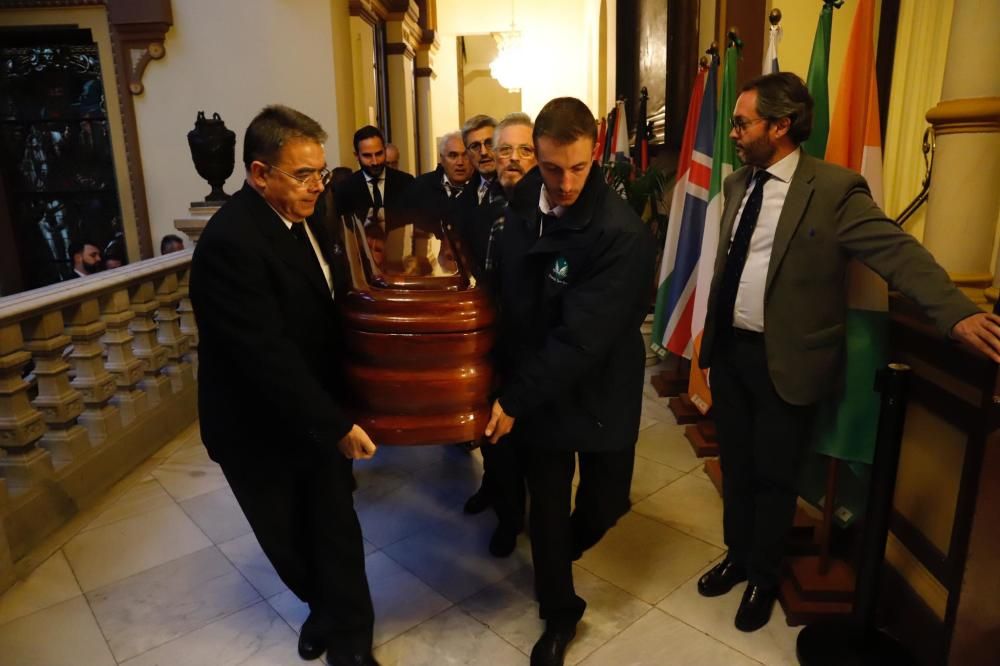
{"points": [[306, 177], [740, 125], [523, 151], [477, 146]]}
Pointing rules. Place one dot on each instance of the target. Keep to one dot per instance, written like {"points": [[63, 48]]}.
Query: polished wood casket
{"points": [[418, 334]]}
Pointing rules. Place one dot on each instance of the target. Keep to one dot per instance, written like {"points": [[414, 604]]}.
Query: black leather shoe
{"points": [[351, 660], [312, 639], [504, 541], [755, 608], [721, 578], [478, 503], [550, 650]]}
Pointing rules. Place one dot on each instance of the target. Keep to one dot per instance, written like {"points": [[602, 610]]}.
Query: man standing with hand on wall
{"points": [[267, 393]]}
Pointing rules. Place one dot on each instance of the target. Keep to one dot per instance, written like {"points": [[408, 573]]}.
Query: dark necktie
{"points": [[376, 198], [299, 231], [453, 190], [738, 251]]}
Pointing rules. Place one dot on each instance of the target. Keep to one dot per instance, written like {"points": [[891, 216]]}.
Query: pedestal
{"points": [[200, 214]]}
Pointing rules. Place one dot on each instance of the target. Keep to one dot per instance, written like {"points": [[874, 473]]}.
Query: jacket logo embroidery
{"points": [[560, 271]]}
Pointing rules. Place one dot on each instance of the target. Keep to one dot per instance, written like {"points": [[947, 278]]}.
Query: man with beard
{"points": [[268, 395], [574, 275], [434, 197], [775, 326], [374, 188], [503, 479], [86, 258]]}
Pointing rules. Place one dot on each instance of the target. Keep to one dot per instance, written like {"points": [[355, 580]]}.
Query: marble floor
{"points": [[165, 570]]}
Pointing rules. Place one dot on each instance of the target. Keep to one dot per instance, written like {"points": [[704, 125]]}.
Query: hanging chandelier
{"points": [[509, 66]]}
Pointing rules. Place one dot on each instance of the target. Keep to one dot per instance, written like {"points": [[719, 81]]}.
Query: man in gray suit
{"points": [[775, 328]]}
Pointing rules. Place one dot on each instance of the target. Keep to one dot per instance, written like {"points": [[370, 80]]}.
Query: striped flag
{"points": [[847, 424], [724, 162], [816, 81], [770, 65], [619, 136], [682, 249]]}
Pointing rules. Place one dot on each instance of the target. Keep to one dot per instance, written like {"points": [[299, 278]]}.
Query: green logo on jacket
{"points": [[560, 270]]}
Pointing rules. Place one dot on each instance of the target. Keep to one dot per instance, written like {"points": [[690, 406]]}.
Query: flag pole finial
{"points": [[775, 16], [713, 50], [703, 62], [733, 38]]}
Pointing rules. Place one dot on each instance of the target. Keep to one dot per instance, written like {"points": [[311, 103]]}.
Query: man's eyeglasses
{"points": [[741, 124], [476, 146], [321, 176], [524, 152]]}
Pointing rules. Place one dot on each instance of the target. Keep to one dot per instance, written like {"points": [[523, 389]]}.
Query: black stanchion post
{"points": [[858, 641]]}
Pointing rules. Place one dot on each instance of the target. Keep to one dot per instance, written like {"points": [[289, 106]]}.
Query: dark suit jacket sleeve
{"points": [[867, 234], [235, 304], [596, 311]]}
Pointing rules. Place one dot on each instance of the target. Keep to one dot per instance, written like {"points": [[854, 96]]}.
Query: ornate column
{"points": [[122, 363], [964, 198], [423, 74], [145, 345], [169, 333], [60, 404], [21, 425], [101, 419], [402, 37]]}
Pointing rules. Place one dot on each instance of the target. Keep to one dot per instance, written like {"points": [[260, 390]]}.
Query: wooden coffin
{"points": [[418, 335]]}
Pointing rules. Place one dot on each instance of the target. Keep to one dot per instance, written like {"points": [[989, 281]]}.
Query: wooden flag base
{"points": [[808, 596], [684, 410], [673, 379], [702, 438]]}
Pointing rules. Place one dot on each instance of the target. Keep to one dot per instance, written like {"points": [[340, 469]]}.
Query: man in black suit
{"points": [[477, 135], [268, 395], [435, 197], [374, 188]]}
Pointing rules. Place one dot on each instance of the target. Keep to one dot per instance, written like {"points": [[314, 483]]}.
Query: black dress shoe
{"points": [[478, 503], [504, 541], [721, 578], [755, 608], [550, 650], [312, 638], [351, 660]]}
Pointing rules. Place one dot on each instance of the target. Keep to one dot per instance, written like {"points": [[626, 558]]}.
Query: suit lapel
{"points": [[284, 244], [796, 201]]}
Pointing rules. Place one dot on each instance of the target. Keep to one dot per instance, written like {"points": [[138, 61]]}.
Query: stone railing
{"points": [[96, 374]]}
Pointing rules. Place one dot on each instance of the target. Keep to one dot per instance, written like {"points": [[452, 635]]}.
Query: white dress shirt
{"points": [[749, 311]]}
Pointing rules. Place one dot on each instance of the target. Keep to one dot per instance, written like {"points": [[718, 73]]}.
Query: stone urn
{"points": [[213, 149]]}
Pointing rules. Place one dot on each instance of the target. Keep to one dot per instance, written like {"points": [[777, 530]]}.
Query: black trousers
{"points": [[559, 537], [762, 439], [302, 512], [503, 481]]}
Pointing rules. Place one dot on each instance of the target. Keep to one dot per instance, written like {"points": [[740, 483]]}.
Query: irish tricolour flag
{"points": [[847, 423], [682, 249]]}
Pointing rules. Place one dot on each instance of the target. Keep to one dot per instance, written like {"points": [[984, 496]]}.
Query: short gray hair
{"points": [[512, 120], [476, 122], [445, 138]]}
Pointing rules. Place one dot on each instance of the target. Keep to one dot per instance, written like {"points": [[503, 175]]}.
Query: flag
{"points": [[816, 80], [847, 423], [724, 162], [682, 249], [770, 65], [619, 139]]}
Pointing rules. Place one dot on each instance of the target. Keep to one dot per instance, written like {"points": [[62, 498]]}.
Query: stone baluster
{"points": [[169, 334], [145, 345], [186, 311], [101, 419], [21, 425], [121, 362], [60, 404]]}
